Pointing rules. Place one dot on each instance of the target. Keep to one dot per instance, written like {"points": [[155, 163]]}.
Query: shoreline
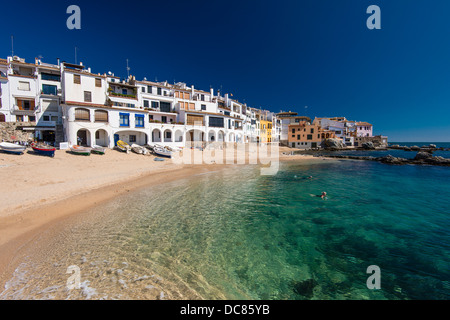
{"points": [[20, 226]]}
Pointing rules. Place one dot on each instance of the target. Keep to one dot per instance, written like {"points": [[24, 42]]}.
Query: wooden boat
{"points": [[139, 149], [162, 152], [43, 149], [122, 145], [85, 151], [12, 148], [98, 150]]}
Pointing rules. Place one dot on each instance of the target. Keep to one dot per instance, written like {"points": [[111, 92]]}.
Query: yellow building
{"points": [[266, 130]]}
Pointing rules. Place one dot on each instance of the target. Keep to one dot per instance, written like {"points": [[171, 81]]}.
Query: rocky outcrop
{"points": [[422, 158], [333, 144], [368, 145]]}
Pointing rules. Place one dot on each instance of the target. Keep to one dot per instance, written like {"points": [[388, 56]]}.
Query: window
{"points": [[155, 104], [309, 137], [49, 89], [216, 122], [19, 118], [101, 116], [129, 105], [76, 79], [81, 115], [164, 106], [159, 91], [202, 97], [146, 104], [24, 86], [132, 138], [124, 91], [139, 120], [98, 82], [194, 120], [312, 130], [150, 117], [293, 130], [149, 89], [26, 105], [50, 77], [203, 106], [143, 89], [124, 120], [87, 96], [46, 118], [164, 119], [298, 137]]}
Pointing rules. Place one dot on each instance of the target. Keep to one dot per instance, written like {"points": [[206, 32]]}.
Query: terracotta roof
{"points": [[4, 61], [363, 124]]}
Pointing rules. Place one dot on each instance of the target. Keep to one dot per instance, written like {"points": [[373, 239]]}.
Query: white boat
{"points": [[85, 151], [162, 152], [98, 149], [139, 149], [12, 148]]}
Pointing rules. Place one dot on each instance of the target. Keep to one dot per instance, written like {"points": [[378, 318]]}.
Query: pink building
{"points": [[364, 129]]}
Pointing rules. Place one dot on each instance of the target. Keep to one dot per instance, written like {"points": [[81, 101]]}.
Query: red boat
{"points": [[43, 149]]}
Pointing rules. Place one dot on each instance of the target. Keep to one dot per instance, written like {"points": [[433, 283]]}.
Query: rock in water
{"points": [[421, 155], [305, 288]]}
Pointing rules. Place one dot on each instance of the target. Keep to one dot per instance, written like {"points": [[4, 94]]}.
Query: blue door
{"points": [[116, 138]]}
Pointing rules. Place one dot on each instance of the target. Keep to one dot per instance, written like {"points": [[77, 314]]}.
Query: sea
{"points": [[236, 234]]}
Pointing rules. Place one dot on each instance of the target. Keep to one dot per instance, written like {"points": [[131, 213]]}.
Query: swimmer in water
{"points": [[323, 195]]}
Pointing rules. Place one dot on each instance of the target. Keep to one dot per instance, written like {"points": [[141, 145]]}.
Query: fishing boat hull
{"points": [[84, 151], [98, 150], [44, 150], [122, 145], [162, 152], [12, 148]]}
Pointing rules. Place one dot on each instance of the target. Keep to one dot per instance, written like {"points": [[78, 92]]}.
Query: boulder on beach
{"points": [[333, 143]]}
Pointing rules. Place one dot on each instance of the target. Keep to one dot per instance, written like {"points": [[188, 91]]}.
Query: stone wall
{"points": [[12, 131]]}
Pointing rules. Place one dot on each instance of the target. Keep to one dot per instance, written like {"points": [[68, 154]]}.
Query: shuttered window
{"points": [[101, 116], [87, 96], [98, 82], [194, 120], [76, 79], [82, 114]]}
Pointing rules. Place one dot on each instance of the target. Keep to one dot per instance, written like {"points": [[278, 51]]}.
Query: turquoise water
{"points": [[235, 234]]}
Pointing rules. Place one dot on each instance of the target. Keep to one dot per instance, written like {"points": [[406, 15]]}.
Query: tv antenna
{"points": [[128, 69]]}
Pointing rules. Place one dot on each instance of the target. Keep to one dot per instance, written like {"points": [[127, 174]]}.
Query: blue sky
{"points": [[278, 55]]}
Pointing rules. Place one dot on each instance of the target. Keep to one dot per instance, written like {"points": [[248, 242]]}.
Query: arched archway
{"points": [[156, 135], [101, 138], [231, 137], [195, 138], [167, 135], [221, 136], [84, 138], [211, 136], [178, 136]]}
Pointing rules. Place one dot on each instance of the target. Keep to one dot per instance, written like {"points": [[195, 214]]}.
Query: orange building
{"points": [[304, 135]]}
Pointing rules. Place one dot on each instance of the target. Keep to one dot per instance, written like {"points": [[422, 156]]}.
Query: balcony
{"points": [[121, 95], [28, 111]]}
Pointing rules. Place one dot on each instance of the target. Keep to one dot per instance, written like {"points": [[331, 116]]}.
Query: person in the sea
{"points": [[323, 195]]}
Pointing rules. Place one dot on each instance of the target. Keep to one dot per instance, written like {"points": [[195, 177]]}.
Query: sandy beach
{"points": [[38, 192]]}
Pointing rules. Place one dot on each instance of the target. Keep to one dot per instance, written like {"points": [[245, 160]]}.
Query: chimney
{"points": [[211, 90], [192, 90]]}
